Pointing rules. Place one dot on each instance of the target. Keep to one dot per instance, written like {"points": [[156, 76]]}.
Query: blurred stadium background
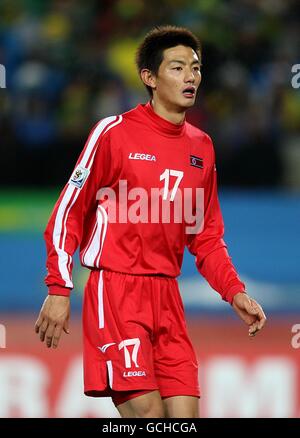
{"points": [[69, 63]]}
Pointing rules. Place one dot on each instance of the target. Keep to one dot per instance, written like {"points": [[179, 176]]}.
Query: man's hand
{"points": [[53, 319], [250, 312]]}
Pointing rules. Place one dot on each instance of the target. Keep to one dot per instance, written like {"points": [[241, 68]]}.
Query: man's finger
{"points": [[49, 334], [38, 323], [262, 321], [43, 329], [261, 317], [56, 336], [257, 325], [66, 326], [253, 327]]}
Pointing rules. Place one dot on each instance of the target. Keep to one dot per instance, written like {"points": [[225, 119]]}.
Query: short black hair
{"points": [[149, 54]]}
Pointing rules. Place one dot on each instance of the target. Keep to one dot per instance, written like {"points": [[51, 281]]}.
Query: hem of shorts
{"points": [[106, 391], [173, 392], [181, 393]]}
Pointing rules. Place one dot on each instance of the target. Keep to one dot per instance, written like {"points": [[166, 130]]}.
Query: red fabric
{"points": [[145, 151], [135, 336], [59, 290], [220, 273]]}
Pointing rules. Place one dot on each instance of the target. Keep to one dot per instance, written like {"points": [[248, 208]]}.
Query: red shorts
{"points": [[135, 337]]}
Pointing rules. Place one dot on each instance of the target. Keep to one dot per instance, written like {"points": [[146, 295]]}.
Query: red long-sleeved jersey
{"points": [[128, 157]]}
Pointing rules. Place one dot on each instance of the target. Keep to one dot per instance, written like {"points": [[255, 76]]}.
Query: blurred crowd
{"points": [[71, 62]]}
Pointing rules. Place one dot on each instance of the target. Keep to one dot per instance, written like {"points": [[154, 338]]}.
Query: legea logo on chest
{"points": [[139, 156]]}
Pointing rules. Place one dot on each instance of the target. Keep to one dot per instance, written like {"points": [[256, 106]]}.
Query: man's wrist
{"points": [[242, 292], [235, 290]]}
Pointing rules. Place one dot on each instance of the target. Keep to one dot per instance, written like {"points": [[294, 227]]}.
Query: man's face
{"points": [[178, 78]]}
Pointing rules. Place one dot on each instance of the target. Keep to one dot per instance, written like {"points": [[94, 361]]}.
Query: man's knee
{"points": [[147, 405], [149, 409], [182, 407]]}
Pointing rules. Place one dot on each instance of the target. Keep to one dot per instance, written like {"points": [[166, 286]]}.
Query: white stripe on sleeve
{"points": [[60, 223]]}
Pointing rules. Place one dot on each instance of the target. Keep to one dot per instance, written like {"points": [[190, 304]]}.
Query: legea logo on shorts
{"points": [[134, 373]]}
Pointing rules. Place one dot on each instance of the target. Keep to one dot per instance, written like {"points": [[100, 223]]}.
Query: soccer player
{"points": [[123, 205]]}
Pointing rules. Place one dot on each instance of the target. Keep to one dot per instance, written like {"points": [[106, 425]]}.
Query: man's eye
{"points": [[177, 68]]}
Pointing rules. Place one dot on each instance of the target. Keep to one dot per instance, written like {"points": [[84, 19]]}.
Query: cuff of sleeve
{"points": [[59, 290], [238, 288]]}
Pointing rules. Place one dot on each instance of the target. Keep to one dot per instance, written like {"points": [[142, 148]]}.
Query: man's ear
{"points": [[148, 78]]}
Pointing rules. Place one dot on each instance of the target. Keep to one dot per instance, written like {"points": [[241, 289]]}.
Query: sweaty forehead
{"points": [[180, 53]]}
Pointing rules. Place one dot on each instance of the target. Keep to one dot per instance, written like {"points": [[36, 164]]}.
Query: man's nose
{"points": [[190, 76]]}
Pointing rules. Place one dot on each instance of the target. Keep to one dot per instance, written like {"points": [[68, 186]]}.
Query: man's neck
{"points": [[168, 114]]}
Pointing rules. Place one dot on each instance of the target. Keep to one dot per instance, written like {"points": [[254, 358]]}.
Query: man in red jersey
{"points": [[132, 204]]}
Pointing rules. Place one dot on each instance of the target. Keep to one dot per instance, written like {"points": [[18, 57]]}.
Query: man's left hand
{"points": [[250, 312]]}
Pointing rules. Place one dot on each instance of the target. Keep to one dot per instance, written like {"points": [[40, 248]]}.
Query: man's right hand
{"points": [[53, 319]]}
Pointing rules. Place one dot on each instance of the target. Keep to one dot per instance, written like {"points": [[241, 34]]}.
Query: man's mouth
{"points": [[189, 92]]}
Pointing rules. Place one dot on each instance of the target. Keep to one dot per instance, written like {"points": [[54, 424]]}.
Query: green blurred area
{"points": [[26, 210]]}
